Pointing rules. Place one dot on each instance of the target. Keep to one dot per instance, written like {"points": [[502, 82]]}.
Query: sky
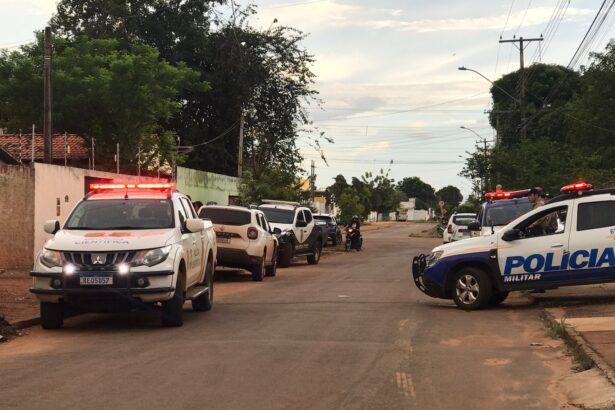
{"points": [[387, 72]]}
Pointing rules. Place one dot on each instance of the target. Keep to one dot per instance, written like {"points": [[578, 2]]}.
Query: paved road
{"points": [[351, 332]]}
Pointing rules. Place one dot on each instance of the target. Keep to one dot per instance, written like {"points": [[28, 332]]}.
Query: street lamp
{"points": [[462, 68], [471, 130]]}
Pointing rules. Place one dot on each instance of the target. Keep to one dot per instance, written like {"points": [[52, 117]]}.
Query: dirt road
{"points": [[352, 332]]}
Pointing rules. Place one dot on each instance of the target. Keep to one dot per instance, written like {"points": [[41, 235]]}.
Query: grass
{"points": [[557, 330]]}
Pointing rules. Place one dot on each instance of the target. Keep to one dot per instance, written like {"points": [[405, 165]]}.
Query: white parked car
{"points": [[245, 239], [126, 246], [457, 227]]}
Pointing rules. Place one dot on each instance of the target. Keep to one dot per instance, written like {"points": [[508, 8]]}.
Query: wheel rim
{"points": [[467, 289]]}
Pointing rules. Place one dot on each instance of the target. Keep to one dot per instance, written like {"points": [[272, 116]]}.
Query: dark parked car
{"points": [[333, 229]]}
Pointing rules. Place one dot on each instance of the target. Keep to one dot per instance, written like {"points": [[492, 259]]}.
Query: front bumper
{"points": [[428, 287], [123, 285]]}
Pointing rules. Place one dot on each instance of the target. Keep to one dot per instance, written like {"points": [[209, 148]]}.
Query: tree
{"points": [[414, 187], [543, 80], [334, 191], [383, 195], [262, 76], [451, 196], [100, 90], [275, 183], [349, 205]]}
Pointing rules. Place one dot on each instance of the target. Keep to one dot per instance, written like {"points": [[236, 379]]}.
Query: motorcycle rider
{"points": [[354, 223], [355, 237]]}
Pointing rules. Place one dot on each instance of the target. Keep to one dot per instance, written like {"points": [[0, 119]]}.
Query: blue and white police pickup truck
{"points": [[126, 246], [479, 272]]}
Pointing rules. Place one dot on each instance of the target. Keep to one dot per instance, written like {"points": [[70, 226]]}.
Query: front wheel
{"points": [[472, 289], [287, 256], [205, 301], [173, 309], [52, 315]]}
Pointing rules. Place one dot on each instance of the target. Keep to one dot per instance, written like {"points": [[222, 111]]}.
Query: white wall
{"points": [[66, 184]]}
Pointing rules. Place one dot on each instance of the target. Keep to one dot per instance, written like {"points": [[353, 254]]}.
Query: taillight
{"points": [[252, 233], [450, 228]]}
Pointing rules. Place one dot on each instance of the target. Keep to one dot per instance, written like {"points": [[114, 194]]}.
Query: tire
{"points": [[346, 246], [334, 241], [205, 302], [497, 298], [315, 257], [173, 309], [258, 271], [287, 256], [52, 315], [272, 270], [472, 289]]}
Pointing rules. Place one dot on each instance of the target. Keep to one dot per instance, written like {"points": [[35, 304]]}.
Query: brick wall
{"points": [[16, 217]]}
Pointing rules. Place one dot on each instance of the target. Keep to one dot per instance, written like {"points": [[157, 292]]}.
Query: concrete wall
{"points": [[206, 186], [57, 191], [16, 217]]}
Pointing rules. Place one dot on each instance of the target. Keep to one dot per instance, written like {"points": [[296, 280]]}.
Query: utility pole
{"points": [[47, 122], [240, 153], [117, 157], [313, 181], [522, 44]]}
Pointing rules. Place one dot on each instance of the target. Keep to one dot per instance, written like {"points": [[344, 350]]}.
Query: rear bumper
{"points": [[430, 288], [236, 258]]}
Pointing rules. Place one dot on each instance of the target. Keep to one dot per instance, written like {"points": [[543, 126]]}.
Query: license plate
{"points": [[96, 280], [223, 240]]}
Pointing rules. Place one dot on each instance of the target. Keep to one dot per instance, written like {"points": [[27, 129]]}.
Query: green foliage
{"points": [[414, 187], [273, 183], [569, 139], [451, 196], [349, 204], [100, 90], [334, 192]]}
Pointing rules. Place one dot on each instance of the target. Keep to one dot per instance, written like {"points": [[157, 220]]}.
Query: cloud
{"points": [[333, 14], [375, 147]]}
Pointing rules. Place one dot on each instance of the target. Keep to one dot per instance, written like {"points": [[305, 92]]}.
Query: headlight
{"points": [[433, 258], [152, 257], [50, 258]]}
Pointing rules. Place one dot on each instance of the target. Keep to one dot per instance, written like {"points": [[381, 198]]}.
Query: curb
{"points": [[23, 324], [573, 339]]}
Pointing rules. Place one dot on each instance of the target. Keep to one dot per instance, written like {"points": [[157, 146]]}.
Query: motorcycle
{"points": [[354, 240]]}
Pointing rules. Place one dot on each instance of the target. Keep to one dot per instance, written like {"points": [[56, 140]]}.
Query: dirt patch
{"points": [[6, 331], [16, 302]]}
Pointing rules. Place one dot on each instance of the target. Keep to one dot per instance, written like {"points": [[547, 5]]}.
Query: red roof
{"points": [[21, 148]]}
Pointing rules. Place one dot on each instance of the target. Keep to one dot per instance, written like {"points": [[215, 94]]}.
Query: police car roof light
{"points": [[577, 186], [115, 186]]}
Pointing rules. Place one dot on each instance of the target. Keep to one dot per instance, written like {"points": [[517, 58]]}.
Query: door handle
{"points": [[557, 245]]}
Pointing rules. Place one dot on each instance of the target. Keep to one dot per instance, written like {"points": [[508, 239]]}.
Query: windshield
{"points": [[463, 220], [323, 218], [122, 214], [503, 214], [279, 216], [226, 216]]}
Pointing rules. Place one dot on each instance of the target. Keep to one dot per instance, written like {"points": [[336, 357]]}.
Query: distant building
{"points": [[407, 211]]}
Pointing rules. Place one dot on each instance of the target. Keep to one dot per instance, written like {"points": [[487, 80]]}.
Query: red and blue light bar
{"points": [[508, 194], [577, 187]]}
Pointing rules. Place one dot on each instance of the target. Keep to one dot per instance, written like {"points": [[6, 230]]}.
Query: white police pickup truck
{"points": [[479, 272], [126, 246]]}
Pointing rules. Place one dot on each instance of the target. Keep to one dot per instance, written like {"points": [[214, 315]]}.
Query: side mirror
{"points": [[277, 231], [474, 226], [301, 224], [510, 235], [52, 226], [195, 225]]}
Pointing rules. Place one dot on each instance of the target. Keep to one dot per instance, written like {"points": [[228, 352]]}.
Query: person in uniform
{"points": [[548, 223]]}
